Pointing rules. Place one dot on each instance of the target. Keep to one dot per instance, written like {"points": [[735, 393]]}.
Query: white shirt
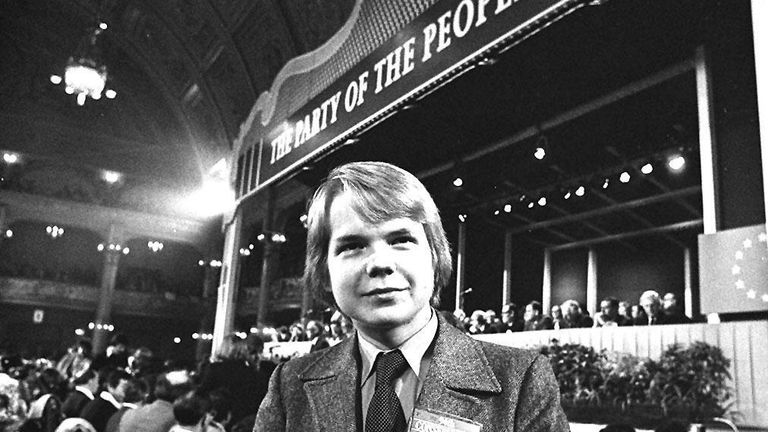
{"points": [[408, 386]]}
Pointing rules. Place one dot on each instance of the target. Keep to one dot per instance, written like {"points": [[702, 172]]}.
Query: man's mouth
{"points": [[382, 291]]}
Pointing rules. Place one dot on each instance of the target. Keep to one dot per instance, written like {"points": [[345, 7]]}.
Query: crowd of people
{"points": [[652, 309], [133, 390]]}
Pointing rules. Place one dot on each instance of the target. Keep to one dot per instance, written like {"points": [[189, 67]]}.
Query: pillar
{"points": [[707, 154], [209, 305], [506, 283], [688, 291], [267, 264], [460, 264], [760, 33], [592, 281], [226, 300], [546, 283], [112, 251]]}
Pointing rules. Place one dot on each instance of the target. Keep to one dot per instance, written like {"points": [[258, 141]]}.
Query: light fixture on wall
{"points": [[85, 75]]}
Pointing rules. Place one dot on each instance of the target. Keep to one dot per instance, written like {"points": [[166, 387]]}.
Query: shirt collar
{"points": [[107, 396], [86, 391], [413, 349]]}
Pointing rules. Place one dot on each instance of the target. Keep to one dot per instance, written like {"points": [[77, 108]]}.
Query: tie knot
{"points": [[389, 366]]}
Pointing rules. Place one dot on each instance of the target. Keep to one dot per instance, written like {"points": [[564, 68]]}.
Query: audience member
{"points": [[45, 410], [573, 316], [672, 311], [189, 411], [86, 385], [136, 392], [625, 310], [534, 319], [510, 321], [231, 370], [158, 415], [609, 314], [651, 304], [557, 317], [98, 411]]}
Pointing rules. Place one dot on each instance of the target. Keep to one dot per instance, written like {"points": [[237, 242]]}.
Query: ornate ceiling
{"points": [[186, 75]]}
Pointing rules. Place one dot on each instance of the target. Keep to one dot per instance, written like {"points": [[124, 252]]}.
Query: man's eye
{"points": [[348, 247], [404, 239]]}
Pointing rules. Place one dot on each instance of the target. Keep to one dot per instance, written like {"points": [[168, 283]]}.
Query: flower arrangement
{"points": [[690, 383]]}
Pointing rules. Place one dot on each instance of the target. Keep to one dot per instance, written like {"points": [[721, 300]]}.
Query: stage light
{"points": [[580, 191], [458, 182], [605, 183], [624, 177], [567, 195], [543, 201], [676, 162], [530, 205], [540, 153], [647, 168], [507, 208], [462, 217]]}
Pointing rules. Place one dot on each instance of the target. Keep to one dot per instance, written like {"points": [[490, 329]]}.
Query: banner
{"points": [[734, 270], [425, 53]]}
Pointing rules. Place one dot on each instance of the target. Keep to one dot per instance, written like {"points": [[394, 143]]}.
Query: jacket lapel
{"points": [[459, 371], [327, 383]]}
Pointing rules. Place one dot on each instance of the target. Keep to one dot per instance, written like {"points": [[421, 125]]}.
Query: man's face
{"points": [[670, 301], [381, 274], [650, 307], [530, 313], [607, 309], [119, 391], [508, 316]]}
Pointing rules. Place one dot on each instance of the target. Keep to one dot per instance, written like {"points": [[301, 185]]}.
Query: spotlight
{"points": [[462, 217], [543, 201], [605, 183], [540, 153], [177, 340], [624, 177], [8, 233], [530, 205], [55, 79], [507, 208], [580, 191], [10, 158], [646, 169], [496, 212], [458, 182], [676, 162], [567, 195]]}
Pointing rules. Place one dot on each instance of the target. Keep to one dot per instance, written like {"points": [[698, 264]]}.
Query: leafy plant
{"points": [[689, 382], [692, 379]]}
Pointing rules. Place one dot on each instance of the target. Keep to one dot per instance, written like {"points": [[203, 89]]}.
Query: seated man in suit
{"points": [[377, 248]]}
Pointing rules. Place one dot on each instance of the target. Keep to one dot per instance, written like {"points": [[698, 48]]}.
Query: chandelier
{"points": [[84, 74]]}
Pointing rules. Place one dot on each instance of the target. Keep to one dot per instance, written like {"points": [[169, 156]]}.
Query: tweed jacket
{"points": [[505, 389]]}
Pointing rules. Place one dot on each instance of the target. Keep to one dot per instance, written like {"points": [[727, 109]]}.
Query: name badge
{"points": [[424, 420]]}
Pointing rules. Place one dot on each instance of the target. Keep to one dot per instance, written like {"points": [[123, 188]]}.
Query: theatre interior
{"points": [[158, 158]]}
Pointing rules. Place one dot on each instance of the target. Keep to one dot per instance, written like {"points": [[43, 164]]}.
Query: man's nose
{"points": [[380, 263]]}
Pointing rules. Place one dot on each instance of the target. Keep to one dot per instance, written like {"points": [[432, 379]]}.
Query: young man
{"points": [[375, 243]]}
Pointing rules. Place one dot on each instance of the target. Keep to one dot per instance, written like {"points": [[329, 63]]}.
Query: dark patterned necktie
{"points": [[385, 414]]}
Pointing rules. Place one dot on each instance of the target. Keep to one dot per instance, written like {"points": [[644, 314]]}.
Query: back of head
{"points": [[189, 408], [232, 348], [378, 192], [171, 385], [136, 390]]}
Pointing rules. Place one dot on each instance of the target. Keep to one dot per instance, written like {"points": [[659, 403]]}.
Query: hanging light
{"points": [[542, 201], [462, 217], [580, 191], [567, 195], [647, 168], [507, 208], [84, 75], [605, 183], [458, 182]]}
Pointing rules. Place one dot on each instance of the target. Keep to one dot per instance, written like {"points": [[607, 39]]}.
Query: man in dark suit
{"points": [[86, 384], [100, 409], [376, 247]]}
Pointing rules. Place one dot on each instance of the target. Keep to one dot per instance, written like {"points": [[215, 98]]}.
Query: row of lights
{"points": [[675, 163], [101, 326], [155, 246], [110, 177], [54, 231], [211, 263], [113, 247]]}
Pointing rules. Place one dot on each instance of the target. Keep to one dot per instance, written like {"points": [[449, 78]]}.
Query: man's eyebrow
{"points": [[347, 238], [399, 231]]}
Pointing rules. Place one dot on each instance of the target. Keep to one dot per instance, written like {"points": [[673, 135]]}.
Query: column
{"points": [[688, 293], [112, 251], [760, 34], [460, 264], [3, 222], [226, 301], [209, 306], [706, 142], [267, 267], [506, 283], [592, 281], [546, 283]]}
